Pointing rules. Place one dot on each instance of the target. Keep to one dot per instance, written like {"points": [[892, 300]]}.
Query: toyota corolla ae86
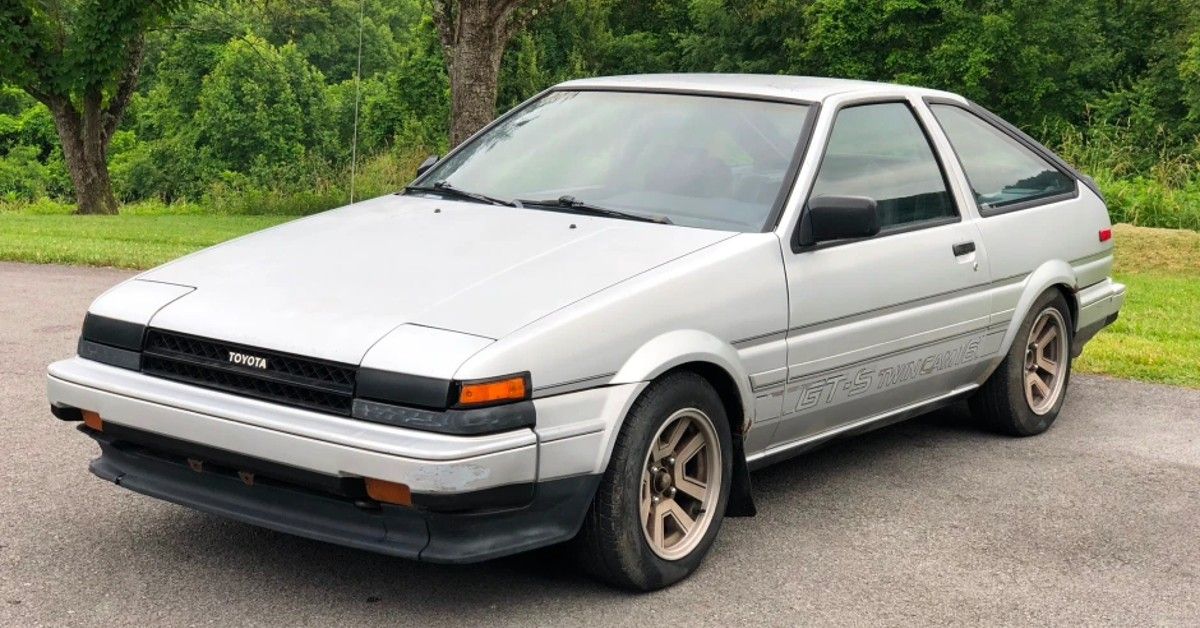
{"points": [[593, 319]]}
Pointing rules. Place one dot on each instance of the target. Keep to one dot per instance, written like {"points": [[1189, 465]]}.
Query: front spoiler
{"points": [[555, 514]]}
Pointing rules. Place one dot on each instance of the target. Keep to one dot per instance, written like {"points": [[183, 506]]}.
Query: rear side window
{"points": [[881, 152], [1002, 171]]}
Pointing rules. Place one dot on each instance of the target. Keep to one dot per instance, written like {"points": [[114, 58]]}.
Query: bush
{"points": [[1150, 203], [262, 108], [22, 176], [1148, 180], [379, 174]]}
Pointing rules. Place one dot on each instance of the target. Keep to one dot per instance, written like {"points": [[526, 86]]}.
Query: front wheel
{"points": [[663, 496], [1026, 392]]}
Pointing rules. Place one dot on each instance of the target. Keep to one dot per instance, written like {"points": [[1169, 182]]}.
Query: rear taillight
{"points": [[1105, 234]]}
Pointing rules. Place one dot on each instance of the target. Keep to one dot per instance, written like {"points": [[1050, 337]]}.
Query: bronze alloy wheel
{"points": [[1025, 393], [669, 476], [681, 484], [1045, 361]]}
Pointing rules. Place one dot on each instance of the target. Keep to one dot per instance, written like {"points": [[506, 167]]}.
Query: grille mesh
{"points": [[287, 379]]}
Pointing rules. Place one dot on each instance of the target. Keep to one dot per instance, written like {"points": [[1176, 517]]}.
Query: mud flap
{"points": [[741, 495]]}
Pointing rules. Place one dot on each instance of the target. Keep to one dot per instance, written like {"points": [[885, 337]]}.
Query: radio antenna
{"points": [[357, 97]]}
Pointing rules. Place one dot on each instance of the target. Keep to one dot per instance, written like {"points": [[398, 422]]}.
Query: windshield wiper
{"points": [[444, 188], [571, 203]]}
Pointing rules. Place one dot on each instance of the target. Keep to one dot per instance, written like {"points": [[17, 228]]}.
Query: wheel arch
{"points": [[696, 350], [1053, 275], [717, 362]]}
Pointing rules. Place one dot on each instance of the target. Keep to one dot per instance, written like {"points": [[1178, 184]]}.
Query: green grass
{"points": [[1157, 337], [127, 241]]}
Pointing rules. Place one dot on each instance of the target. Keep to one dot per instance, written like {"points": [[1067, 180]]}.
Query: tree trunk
{"points": [[474, 77], [474, 34], [86, 133], [85, 149]]}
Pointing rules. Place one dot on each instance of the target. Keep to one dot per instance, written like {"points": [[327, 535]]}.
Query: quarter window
{"points": [[1001, 170], [881, 152]]}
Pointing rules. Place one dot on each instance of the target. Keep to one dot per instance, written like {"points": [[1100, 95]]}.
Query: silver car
{"points": [[593, 319]]}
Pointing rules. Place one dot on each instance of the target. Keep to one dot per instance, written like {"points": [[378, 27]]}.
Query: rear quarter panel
{"points": [[1031, 250]]}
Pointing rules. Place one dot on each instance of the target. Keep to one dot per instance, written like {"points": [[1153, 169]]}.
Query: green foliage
{"points": [[68, 47], [262, 110], [1145, 178], [21, 174], [249, 107], [1144, 200]]}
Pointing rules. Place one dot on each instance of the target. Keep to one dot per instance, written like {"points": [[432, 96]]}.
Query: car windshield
{"points": [[700, 161]]}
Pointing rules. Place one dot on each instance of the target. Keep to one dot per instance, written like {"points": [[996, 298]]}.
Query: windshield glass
{"points": [[700, 161]]}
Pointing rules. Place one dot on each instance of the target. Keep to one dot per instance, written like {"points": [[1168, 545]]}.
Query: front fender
{"points": [[676, 348], [680, 347]]}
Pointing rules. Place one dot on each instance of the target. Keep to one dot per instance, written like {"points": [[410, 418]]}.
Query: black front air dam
{"points": [[554, 515]]}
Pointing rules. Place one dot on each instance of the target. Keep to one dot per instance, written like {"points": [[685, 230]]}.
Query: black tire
{"points": [[612, 545], [1001, 403]]}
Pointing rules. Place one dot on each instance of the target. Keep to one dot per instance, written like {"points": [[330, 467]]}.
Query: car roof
{"points": [[805, 88]]}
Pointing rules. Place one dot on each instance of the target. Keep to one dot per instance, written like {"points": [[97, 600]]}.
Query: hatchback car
{"points": [[594, 318]]}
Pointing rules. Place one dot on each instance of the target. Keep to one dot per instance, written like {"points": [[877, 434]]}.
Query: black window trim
{"points": [[790, 175], [797, 247], [1007, 128]]}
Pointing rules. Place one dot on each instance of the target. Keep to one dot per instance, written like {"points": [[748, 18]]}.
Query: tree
{"points": [[474, 34], [81, 58], [262, 107]]}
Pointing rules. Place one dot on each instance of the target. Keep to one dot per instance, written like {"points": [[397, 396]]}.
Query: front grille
{"points": [[287, 379]]}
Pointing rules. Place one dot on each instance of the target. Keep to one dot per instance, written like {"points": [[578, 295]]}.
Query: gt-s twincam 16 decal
{"points": [[844, 384]]}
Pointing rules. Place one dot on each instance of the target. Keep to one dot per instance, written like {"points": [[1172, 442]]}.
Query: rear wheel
{"points": [[1025, 394], [662, 499]]}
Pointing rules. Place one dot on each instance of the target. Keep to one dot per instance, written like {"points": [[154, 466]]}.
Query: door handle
{"points": [[962, 248]]}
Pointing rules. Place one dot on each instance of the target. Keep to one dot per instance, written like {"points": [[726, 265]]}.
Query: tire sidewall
{"points": [[645, 419], [1026, 421]]}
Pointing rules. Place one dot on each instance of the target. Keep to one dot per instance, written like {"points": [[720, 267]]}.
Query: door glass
{"points": [[1000, 169], [879, 151]]}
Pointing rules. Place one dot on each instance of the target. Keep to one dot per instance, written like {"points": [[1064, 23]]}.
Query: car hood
{"points": [[333, 284]]}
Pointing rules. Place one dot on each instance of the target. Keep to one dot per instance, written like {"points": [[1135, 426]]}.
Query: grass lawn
{"points": [[120, 241], [1157, 338]]}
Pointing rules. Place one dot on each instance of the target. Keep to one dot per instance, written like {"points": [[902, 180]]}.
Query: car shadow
{"points": [[900, 440], [336, 579]]}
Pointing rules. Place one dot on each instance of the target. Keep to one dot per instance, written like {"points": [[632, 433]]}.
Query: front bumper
{"points": [[554, 514], [427, 462], [475, 497]]}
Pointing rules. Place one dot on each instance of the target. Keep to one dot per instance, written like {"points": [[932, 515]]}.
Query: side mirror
{"points": [[841, 218], [427, 164]]}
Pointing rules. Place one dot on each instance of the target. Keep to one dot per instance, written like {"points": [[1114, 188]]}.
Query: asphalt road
{"points": [[925, 522]]}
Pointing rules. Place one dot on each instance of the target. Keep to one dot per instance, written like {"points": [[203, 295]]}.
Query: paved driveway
{"points": [[926, 522]]}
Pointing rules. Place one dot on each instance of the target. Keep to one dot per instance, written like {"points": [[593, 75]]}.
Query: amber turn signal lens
{"points": [[494, 391], [92, 420], [389, 492]]}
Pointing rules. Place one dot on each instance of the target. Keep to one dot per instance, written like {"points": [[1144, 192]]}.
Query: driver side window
{"points": [[881, 152]]}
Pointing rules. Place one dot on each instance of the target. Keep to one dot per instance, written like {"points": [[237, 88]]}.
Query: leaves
{"points": [[63, 48], [215, 111]]}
